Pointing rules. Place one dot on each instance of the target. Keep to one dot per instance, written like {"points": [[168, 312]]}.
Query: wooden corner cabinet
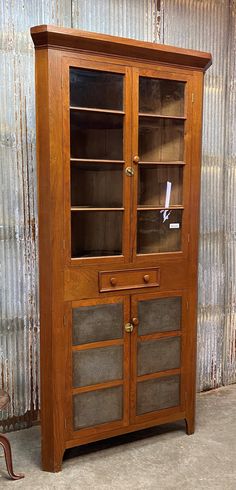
{"points": [[119, 148]]}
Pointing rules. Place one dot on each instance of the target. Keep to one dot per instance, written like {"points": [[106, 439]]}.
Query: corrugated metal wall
{"points": [[201, 24]]}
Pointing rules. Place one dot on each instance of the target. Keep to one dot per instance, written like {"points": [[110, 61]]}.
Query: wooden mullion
{"points": [[98, 386], [159, 335], [97, 345], [160, 374]]}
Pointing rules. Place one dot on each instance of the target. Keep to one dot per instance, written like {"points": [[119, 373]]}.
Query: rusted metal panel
{"points": [[139, 19], [19, 333], [229, 372], [201, 24]]}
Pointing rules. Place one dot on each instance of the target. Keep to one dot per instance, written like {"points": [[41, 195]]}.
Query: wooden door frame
{"points": [[102, 65], [184, 333], [188, 112], [80, 434]]}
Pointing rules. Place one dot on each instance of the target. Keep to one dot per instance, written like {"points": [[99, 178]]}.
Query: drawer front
{"points": [[128, 279]]}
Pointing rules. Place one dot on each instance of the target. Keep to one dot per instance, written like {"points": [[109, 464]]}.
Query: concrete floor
{"points": [[160, 458]]}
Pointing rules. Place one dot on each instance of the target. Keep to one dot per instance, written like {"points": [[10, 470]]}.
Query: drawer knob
{"points": [[136, 159], [135, 321], [113, 281], [146, 278]]}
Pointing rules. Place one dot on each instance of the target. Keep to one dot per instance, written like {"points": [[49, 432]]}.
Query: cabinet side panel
{"points": [[49, 137], [190, 348]]}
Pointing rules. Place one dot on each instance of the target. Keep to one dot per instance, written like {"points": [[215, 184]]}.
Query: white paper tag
{"points": [[174, 225], [166, 212]]}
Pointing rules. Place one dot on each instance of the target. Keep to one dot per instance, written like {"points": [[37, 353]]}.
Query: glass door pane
{"points": [[159, 183], [161, 165], [97, 185], [92, 88], [97, 162], [161, 96], [159, 231], [160, 140]]}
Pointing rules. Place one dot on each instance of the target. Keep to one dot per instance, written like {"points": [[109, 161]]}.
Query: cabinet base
{"points": [[190, 425]]}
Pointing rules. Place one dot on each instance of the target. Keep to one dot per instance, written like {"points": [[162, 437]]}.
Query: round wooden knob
{"points": [[135, 321], [146, 278], [136, 159], [113, 281]]}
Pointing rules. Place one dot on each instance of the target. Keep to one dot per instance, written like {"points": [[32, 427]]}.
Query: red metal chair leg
{"points": [[8, 456]]}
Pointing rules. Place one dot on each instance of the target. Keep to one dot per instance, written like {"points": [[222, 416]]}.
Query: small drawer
{"points": [[129, 279]]}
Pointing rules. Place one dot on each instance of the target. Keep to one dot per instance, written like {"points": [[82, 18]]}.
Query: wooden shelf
{"points": [[177, 162], [92, 160], [88, 208], [92, 109], [161, 208], [161, 116]]}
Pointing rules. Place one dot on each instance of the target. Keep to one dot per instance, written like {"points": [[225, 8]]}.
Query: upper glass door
{"points": [[98, 190], [160, 154]]}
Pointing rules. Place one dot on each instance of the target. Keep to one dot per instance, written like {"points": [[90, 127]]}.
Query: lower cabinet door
{"points": [[157, 354], [99, 366]]}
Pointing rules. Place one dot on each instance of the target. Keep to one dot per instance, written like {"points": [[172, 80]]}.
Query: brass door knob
{"points": [[129, 327], [135, 321], [113, 281], [129, 171], [136, 159], [146, 278]]}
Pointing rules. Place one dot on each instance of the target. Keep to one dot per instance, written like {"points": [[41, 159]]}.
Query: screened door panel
{"points": [[99, 364], [95, 366], [158, 394], [97, 407], [157, 352], [97, 322], [160, 314], [158, 355]]}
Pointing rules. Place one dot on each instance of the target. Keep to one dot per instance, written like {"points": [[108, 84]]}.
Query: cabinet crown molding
{"points": [[49, 36]]}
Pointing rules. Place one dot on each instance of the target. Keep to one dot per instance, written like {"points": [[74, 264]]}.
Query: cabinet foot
{"points": [[190, 425], [52, 465]]}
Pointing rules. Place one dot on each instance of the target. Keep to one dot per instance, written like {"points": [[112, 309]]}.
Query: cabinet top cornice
{"points": [[49, 36]]}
